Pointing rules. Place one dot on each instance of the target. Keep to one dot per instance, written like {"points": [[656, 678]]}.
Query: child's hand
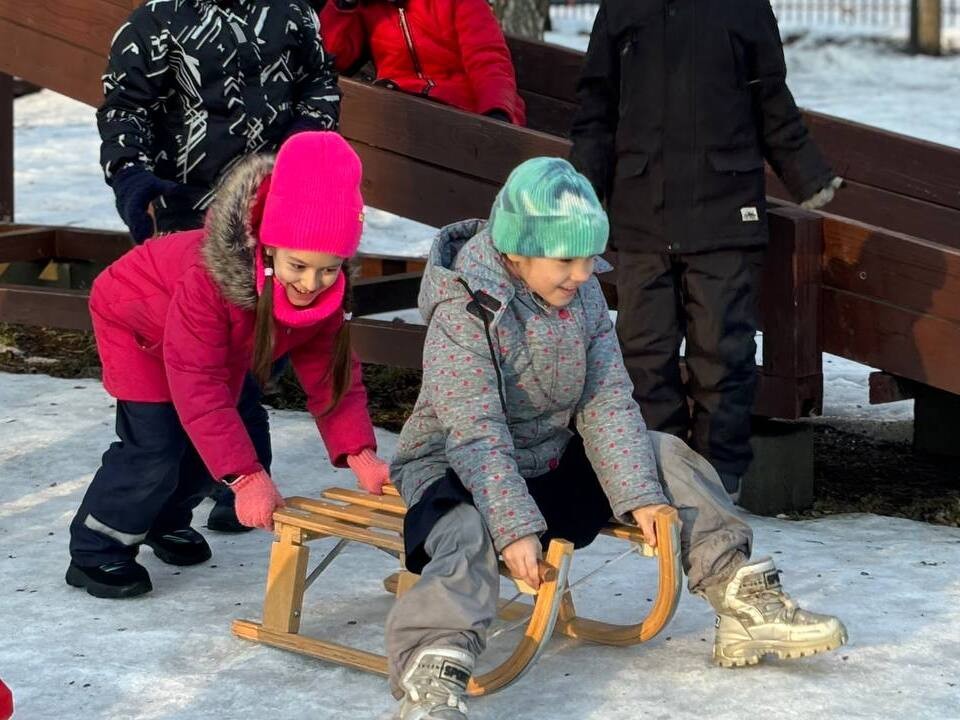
{"points": [[372, 472], [257, 498], [523, 559], [644, 517]]}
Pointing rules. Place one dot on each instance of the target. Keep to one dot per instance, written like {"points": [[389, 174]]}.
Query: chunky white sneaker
{"points": [[435, 684], [755, 617]]}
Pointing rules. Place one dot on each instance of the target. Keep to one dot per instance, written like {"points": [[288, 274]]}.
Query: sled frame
{"points": [[355, 516]]}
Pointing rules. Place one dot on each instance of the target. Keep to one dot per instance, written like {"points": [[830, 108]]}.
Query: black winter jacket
{"points": [[193, 86], [680, 102]]}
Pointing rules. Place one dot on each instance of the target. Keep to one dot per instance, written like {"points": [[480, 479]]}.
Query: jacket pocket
{"points": [[636, 196], [632, 165], [151, 348], [731, 192], [735, 160]]}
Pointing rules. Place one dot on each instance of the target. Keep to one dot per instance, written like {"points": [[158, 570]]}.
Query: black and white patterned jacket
{"points": [[194, 86]]}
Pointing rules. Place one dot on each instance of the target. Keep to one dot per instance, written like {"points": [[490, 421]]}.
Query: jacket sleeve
{"points": [[460, 383], [594, 128], [315, 88], [486, 60], [197, 358], [343, 36], [608, 418], [134, 84], [347, 429], [786, 143]]}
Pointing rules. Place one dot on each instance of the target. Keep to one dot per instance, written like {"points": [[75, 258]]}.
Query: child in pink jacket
{"points": [[181, 320]]}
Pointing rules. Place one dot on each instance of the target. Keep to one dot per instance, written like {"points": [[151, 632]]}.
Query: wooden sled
{"points": [[355, 516]]}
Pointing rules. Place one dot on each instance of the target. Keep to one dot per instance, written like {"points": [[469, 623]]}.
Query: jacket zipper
{"points": [[417, 67]]}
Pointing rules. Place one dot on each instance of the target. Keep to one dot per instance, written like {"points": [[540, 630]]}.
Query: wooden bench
{"points": [[377, 521]]}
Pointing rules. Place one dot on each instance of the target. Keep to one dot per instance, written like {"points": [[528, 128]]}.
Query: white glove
{"points": [[823, 196]]}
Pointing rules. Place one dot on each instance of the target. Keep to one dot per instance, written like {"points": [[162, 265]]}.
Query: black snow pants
{"points": [[710, 300], [151, 479]]}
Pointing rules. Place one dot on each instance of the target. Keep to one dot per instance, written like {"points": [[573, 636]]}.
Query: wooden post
{"points": [[936, 414], [790, 315], [6, 148], [286, 579], [925, 23]]}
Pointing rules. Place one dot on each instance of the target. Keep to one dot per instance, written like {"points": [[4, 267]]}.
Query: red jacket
{"points": [[454, 51], [174, 321]]}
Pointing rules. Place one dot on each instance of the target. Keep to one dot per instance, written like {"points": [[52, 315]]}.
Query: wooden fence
{"points": [[881, 295]]}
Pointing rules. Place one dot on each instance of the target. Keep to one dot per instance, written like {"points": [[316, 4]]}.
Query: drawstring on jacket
{"points": [[493, 353]]}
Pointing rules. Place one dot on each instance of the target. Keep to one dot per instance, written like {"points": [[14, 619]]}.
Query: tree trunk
{"points": [[523, 18]]}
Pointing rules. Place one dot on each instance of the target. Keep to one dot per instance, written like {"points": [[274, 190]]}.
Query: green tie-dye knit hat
{"points": [[548, 209]]}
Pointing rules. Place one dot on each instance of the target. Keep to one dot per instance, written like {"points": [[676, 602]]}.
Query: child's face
{"points": [[556, 280], [304, 274]]}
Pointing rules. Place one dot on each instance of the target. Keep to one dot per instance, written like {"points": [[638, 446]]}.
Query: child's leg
{"points": [[721, 304], [754, 616], [650, 327], [192, 487], [137, 476], [171, 537], [571, 499], [455, 600], [714, 539]]}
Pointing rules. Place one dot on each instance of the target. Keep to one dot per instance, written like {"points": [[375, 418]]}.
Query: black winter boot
{"points": [[223, 516], [118, 579], [179, 547]]}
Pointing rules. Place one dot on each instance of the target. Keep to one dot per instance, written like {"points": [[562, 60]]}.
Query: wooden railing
{"points": [[881, 295]]}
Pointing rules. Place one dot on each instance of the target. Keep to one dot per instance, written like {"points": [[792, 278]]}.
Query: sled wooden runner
{"points": [[355, 516]]}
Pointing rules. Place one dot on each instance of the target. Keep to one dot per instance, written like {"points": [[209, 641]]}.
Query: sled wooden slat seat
{"points": [[387, 502], [355, 516]]}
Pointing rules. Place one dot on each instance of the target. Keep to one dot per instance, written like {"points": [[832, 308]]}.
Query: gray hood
{"points": [[453, 257]]}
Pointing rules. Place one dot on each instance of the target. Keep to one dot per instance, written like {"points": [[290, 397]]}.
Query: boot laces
{"points": [[768, 594], [437, 693]]}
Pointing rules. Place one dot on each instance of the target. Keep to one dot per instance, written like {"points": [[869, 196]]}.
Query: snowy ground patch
{"points": [[170, 655]]}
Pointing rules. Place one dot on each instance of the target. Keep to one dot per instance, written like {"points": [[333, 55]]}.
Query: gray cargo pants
{"points": [[455, 600]]}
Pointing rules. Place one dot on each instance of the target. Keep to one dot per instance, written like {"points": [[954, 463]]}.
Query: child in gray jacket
{"points": [[526, 430]]}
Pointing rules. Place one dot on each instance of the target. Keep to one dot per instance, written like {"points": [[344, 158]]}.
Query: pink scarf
{"points": [[323, 306]]}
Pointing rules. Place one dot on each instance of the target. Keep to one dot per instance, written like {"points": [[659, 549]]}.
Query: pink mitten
{"points": [[372, 472], [257, 498]]}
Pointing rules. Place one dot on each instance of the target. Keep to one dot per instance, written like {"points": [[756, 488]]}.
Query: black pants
{"points": [[151, 479], [709, 299], [570, 499]]}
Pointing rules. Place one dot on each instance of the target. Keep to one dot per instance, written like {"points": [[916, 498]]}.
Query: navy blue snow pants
{"points": [[151, 479]]}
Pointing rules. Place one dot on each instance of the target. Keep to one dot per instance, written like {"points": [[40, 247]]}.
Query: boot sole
{"points": [[76, 578], [751, 653], [173, 559], [227, 527]]}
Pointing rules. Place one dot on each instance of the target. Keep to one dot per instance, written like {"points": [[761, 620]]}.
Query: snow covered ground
{"points": [[170, 655]]}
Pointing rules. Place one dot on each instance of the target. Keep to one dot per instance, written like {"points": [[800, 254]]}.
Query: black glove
{"points": [[498, 114], [303, 124], [135, 188]]}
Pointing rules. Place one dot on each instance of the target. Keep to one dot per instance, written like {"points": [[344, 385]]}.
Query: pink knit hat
{"points": [[314, 200]]}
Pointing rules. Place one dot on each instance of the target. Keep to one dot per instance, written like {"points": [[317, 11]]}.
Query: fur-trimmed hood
{"points": [[230, 231]]}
